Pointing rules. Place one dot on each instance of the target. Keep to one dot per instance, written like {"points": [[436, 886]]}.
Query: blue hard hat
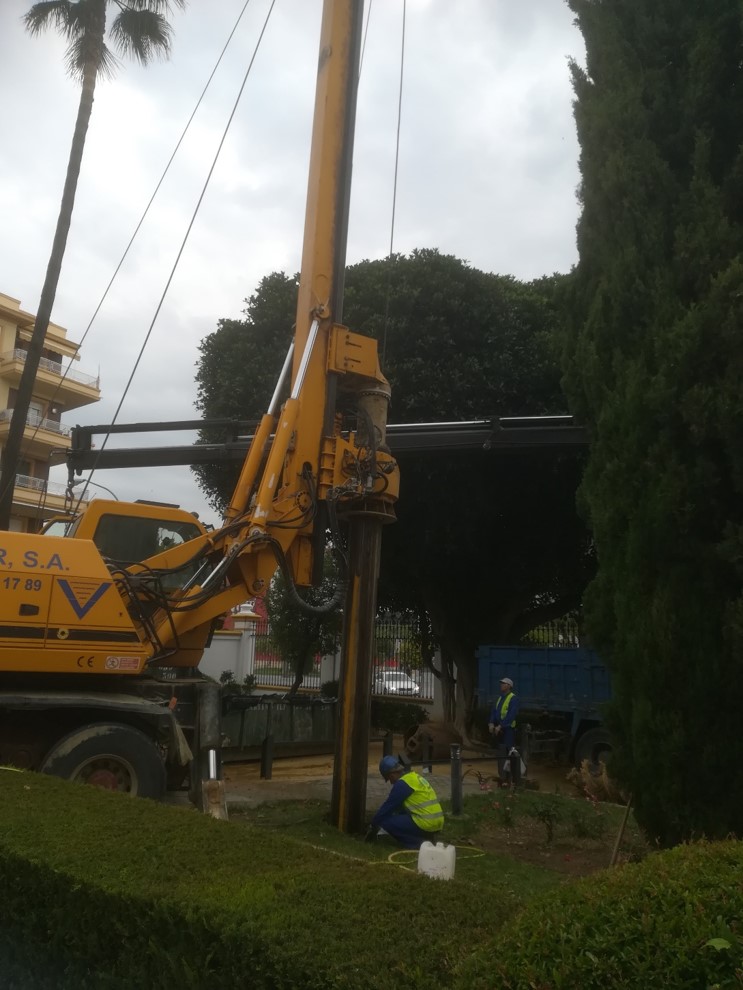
{"points": [[387, 764]]}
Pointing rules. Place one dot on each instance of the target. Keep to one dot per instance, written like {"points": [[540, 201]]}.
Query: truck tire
{"points": [[595, 746], [109, 755]]}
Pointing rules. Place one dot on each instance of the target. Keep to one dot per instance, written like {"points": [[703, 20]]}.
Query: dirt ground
{"points": [[311, 777]]}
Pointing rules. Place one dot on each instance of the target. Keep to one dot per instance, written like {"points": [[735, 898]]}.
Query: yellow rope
{"points": [[472, 851]]}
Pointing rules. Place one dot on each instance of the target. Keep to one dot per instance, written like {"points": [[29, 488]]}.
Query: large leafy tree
{"points": [[138, 29], [486, 545], [298, 634], [654, 362]]}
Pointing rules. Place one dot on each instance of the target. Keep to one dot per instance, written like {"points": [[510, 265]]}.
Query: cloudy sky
{"points": [[487, 172]]}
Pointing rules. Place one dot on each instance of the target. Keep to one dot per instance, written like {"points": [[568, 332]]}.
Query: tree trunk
{"points": [[301, 665], [12, 450], [448, 685], [465, 694], [298, 678]]}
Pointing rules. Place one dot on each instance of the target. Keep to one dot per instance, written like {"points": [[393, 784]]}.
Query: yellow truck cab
{"points": [[77, 698]]}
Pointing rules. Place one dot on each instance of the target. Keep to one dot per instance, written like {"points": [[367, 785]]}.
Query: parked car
{"points": [[394, 682]]}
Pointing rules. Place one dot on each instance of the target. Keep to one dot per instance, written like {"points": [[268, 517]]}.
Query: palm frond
{"points": [[139, 30], [156, 6], [142, 34], [50, 13], [83, 51]]}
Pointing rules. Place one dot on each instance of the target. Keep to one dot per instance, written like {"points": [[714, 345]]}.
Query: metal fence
{"points": [[398, 669], [269, 667]]}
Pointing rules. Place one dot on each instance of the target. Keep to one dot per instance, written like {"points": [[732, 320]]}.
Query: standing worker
{"points": [[411, 812], [502, 722]]}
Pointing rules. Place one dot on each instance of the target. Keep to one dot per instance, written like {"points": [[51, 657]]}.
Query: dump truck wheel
{"points": [[112, 756], [595, 746]]}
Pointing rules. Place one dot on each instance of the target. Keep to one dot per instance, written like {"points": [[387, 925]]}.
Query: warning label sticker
{"points": [[122, 663]]}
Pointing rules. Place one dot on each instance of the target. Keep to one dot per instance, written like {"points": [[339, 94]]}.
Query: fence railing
{"points": [[40, 485], [52, 426], [398, 670]]}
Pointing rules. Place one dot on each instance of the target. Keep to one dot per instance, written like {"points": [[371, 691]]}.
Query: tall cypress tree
{"points": [[654, 365]]}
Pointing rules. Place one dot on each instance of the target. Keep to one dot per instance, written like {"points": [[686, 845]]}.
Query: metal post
{"points": [[456, 779], [351, 765], [387, 743], [526, 743], [267, 745], [209, 701], [515, 764]]}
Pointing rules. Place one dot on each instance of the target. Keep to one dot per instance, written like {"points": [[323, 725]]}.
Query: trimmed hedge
{"points": [[647, 925], [101, 891]]}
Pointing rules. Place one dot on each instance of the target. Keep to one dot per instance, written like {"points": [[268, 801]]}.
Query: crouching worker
{"points": [[412, 813]]}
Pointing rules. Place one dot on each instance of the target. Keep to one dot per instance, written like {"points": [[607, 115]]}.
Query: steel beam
{"points": [[500, 433]]}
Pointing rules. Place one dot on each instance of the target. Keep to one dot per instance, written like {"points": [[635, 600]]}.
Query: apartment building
{"points": [[59, 388]]}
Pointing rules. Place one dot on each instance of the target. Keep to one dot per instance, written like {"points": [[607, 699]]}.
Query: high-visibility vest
{"points": [[502, 705], [423, 804]]}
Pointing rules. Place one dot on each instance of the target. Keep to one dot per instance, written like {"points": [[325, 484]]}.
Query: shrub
{"points": [[231, 687], [396, 716], [504, 809], [329, 689], [101, 891], [673, 920], [392, 716], [549, 812]]}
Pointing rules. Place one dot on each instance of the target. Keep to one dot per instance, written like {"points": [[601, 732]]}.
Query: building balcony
{"points": [[40, 437], [69, 387], [39, 499]]}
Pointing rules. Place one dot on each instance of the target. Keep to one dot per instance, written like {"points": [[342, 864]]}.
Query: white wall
{"points": [[231, 649]]}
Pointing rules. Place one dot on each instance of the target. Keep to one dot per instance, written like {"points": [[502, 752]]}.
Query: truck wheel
{"points": [[595, 746], [115, 757]]}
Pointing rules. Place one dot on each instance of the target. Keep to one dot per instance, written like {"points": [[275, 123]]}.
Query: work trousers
{"points": [[403, 829]]}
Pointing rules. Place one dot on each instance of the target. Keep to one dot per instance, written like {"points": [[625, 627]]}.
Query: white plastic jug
{"points": [[437, 860]]}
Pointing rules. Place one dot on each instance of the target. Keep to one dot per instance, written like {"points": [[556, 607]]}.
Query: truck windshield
{"points": [[57, 527], [131, 539]]}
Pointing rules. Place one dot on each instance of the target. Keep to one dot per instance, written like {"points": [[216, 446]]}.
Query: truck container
{"points": [[562, 693]]}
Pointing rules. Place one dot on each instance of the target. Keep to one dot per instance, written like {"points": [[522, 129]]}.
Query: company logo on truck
{"points": [[31, 560], [83, 595]]}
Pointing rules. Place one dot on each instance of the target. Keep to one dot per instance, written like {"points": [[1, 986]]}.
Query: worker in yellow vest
{"points": [[502, 725], [502, 722], [411, 813]]}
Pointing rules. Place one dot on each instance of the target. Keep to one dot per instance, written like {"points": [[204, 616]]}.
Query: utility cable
{"points": [[185, 237], [394, 184], [165, 171], [366, 33]]}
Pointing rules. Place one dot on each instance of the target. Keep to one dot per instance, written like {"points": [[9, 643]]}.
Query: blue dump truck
{"points": [[562, 691]]}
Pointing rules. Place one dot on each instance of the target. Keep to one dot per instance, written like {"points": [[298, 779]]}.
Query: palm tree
{"points": [[139, 29]]}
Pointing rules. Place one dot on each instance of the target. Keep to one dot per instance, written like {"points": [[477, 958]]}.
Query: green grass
{"points": [[307, 822]]}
